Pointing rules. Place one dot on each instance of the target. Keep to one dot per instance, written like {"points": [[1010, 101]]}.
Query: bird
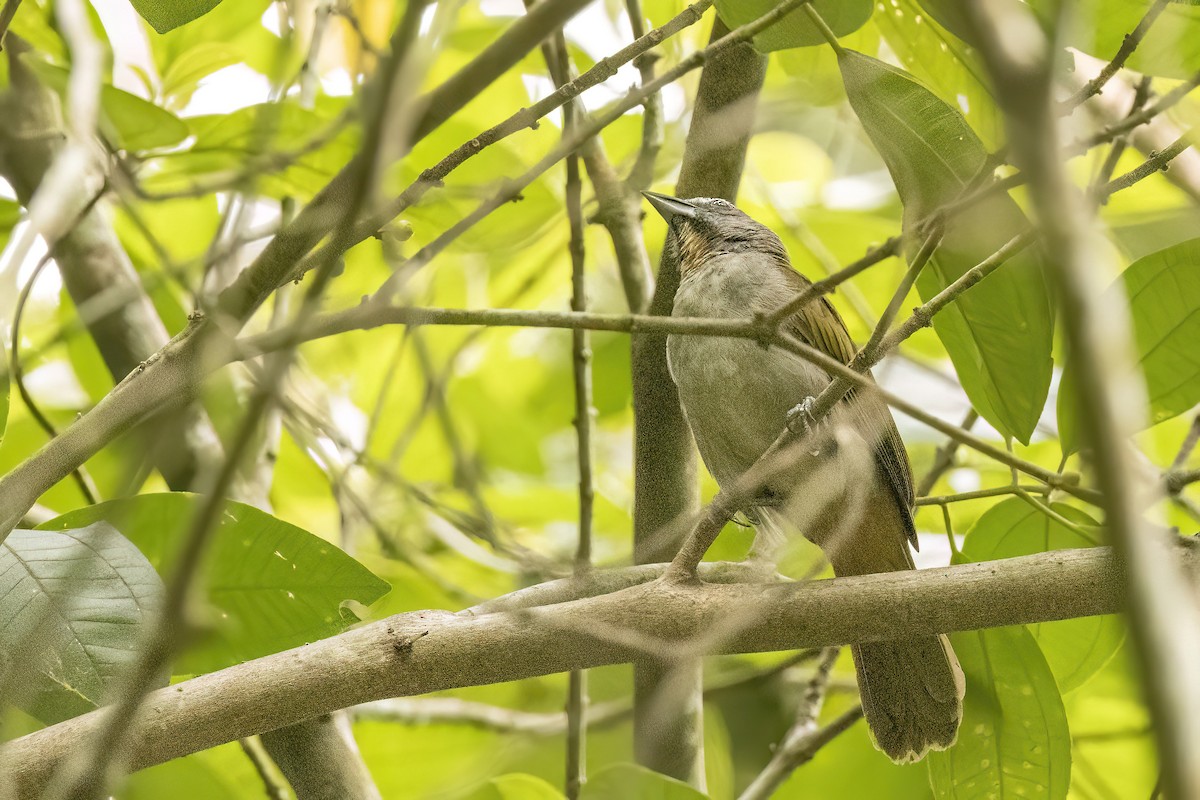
{"points": [[850, 492]]}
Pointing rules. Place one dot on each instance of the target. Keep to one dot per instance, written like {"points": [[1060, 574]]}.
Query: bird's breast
{"points": [[735, 393]]}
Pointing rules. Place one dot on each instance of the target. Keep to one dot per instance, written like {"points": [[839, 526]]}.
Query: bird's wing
{"points": [[819, 325]]}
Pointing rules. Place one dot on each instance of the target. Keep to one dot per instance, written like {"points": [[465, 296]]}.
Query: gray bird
{"points": [[851, 493]]}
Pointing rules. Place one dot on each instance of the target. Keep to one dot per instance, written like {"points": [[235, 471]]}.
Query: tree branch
{"points": [[427, 651]]}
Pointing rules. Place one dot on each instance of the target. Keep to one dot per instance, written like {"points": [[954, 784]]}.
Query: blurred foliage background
{"points": [[443, 459]]}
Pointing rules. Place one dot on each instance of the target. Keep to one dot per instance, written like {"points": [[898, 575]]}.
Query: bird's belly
{"points": [[736, 396]]}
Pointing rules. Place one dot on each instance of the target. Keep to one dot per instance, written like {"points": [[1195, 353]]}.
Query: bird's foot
{"points": [[800, 420]]}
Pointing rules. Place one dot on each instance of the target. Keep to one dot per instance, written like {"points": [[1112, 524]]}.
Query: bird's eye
{"points": [[722, 203]]}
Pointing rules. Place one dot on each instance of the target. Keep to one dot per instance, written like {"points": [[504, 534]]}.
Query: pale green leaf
{"points": [[1163, 292], [73, 606]]}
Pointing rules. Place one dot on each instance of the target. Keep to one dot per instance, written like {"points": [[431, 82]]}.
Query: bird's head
{"points": [[703, 227]]}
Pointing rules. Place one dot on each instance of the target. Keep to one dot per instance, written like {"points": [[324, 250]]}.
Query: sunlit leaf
{"points": [[1163, 292], [1076, 648], [1014, 742], [272, 585], [1000, 332], [165, 15], [73, 606], [129, 121], [796, 29]]}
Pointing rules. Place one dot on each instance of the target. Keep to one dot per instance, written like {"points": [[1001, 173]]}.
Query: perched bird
{"points": [[851, 493]]}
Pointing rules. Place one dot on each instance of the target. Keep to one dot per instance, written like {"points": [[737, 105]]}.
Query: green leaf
{"points": [[72, 607], [1014, 741], [796, 29], [272, 585], [1163, 292], [130, 122], [999, 333], [1075, 649], [165, 15], [515, 787], [634, 782], [934, 54], [1171, 48]]}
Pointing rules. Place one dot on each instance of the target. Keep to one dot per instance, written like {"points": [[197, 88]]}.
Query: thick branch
{"points": [[428, 651]]}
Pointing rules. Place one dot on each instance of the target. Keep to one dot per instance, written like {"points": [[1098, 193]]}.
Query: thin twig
{"points": [[528, 117], [1128, 45], [796, 747], [1188, 444], [943, 459], [581, 371], [803, 748], [513, 187], [977, 494]]}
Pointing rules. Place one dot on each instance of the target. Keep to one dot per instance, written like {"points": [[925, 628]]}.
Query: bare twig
{"points": [[1128, 45]]}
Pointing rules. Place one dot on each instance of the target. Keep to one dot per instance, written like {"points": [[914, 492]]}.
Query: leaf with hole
{"points": [[1014, 741], [73, 607], [998, 333], [1075, 649], [270, 585]]}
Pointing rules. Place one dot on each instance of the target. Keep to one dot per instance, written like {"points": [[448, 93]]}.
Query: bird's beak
{"points": [[670, 207]]}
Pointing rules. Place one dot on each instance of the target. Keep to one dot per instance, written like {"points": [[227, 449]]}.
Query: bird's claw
{"points": [[800, 420]]}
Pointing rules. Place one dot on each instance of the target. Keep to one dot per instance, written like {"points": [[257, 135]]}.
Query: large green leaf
{"points": [[72, 607], [1171, 48], [272, 585], [165, 15], [1014, 741], [796, 29], [130, 122], [1163, 292], [999, 333], [1075, 649]]}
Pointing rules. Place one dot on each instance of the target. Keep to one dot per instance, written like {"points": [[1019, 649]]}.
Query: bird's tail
{"points": [[911, 694], [911, 689]]}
